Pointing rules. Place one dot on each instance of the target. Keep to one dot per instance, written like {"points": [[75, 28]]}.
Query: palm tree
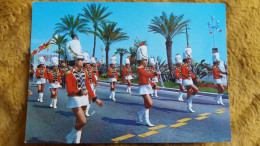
{"points": [[71, 26], [60, 41], [132, 56], [168, 27], [109, 35], [96, 15], [121, 52]]}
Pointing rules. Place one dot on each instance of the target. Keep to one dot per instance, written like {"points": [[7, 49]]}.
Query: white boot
{"points": [[189, 104], [54, 103], [110, 95], [95, 90], [114, 96], [71, 135], [140, 115], [146, 118], [130, 90], [220, 100], [77, 137], [155, 93], [51, 104], [127, 89], [87, 113], [180, 96], [41, 99]]}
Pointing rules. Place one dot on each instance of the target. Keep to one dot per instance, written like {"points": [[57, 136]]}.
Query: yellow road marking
{"points": [[124, 137], [157, 127], [184, 120], [220, 112], [178, 125], [148, 134], [201, 118], [205, 114], [221, 109]]}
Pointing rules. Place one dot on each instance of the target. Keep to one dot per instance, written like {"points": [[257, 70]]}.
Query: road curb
{"points": [[225, 96]]}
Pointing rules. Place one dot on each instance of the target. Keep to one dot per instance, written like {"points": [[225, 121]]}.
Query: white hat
{"points": [[187, 53], [113, 60], [215, 57], [152, 61], [41, 60], [54, 61], [86, 57], [93, 60], [142, 52], [74, 50], [178, 59], [127, 61]]}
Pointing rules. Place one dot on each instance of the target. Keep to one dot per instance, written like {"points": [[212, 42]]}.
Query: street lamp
{"points": [[212, 29]]}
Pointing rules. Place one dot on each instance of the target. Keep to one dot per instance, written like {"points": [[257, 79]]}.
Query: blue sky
{"points": [[134, 19]]}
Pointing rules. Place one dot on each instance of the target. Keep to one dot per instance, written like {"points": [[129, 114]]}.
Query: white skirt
{"points": [[178, 81], [112, 80], [78, 101], [54, 85], [129, 77], [145, 89], [186, 82], [92, 86], [155, 80], [41, 81], [96, 77], [217, 81]]}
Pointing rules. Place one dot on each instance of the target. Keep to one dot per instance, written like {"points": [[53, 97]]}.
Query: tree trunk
{"points": [[121, 59], [107, 51], [169, 54], [95, 37], [59, 54]]}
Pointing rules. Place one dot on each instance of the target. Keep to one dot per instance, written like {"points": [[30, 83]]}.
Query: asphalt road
{"points": [[116, 122]]}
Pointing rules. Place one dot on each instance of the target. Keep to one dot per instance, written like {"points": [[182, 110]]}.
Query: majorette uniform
{"points": [[127, 74], [144, 86], [77, 81], [95, 69], [187, 76], [54, 80], [154, 80], [178, 74], [113, 76], [41, 80], [217, 75]]}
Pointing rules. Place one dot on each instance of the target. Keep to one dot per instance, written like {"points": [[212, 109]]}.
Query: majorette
{"points": [[178, 75], [92, 80], [144, 88], [113, 77], [41, 75], [187, 77], [54, 81], [95, 70], [217, 76], [154, 80], [127, 74], [78, 88]]}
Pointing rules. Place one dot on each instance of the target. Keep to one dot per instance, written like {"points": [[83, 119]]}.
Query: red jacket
{"points": [[111, 75], [93, 79], [185, 73], [44, 73], [216, 72], [177, 72], [72, 84], [126, 73], [143, 76], [51, 79]]}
